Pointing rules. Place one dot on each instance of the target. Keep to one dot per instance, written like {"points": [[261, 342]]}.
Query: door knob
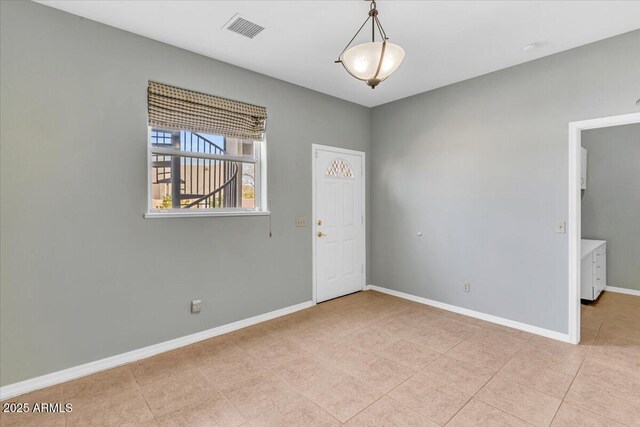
{"points": [[321, 234]]}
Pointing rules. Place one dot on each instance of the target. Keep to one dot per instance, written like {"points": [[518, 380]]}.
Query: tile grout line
{"points": [[572, 379], [483, 386], [224, 396], [246, 420], [373, 351], [135, 379], [529, 387], [583, 360], [402, 382], [508, 379], [64, 400], [270, 370], [526, 341], [578, 371], [480, 327], [472, 396], [300, 391], [411, 377], [363, 409]]}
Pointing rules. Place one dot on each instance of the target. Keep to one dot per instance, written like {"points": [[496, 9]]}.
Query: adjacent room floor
{"points": [[369, 359]]}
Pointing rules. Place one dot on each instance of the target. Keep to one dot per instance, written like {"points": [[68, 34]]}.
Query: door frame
{"points": [[575, 209], [314, 149]]}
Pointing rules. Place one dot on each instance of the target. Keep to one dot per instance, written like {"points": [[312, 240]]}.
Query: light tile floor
{"points": [[370, 359]]}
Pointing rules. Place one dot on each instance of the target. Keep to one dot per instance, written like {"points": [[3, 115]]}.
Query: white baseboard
{"points": [[476, 314], [12, 390], [622, 290]]}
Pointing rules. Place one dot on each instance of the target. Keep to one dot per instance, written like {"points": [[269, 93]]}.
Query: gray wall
{"points": [[611, 202], [83, 275], [481, 168]]}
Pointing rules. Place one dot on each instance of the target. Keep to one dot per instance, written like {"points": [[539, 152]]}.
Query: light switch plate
{"points": [[561, 227], [300, 222]]}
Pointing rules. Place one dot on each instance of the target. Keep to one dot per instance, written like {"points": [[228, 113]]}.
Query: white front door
{"points": [[338, 229]]}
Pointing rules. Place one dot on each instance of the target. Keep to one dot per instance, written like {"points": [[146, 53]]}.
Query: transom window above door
{"points": [[206, 155]]}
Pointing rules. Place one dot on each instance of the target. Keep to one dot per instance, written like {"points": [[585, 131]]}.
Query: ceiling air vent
{"points": [[242, 26]]}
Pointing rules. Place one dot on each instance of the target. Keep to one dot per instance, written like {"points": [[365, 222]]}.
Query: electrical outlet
{"points": [[195, 306], [300, 222], [467, 287], [561, 227]]}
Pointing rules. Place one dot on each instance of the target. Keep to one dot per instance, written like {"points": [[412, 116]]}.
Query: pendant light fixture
{"points": [[372, 62]]}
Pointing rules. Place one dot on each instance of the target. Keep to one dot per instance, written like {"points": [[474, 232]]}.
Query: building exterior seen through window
{"points": [[192, 170]]}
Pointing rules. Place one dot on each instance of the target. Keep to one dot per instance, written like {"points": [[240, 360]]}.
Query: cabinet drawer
{"points": [[597, 266], [593, 273], [597, 284]]}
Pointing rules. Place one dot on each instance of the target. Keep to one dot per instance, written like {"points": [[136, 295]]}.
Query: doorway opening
{"points": [[575, 213]]}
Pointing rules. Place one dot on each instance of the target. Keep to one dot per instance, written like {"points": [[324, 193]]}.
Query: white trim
{"points": [[574, 236], [261, 176], [314, 149], [197, 155], [575, 213], [43, 381], [149, 170], [475, 314], [314, 298], [203, 213], [625, 291]]}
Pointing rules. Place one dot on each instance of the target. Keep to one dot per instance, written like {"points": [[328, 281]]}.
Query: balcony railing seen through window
{"points": [[200, 171]]}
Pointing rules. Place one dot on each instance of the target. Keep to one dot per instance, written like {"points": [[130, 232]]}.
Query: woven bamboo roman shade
{"points": [[172, 108]]}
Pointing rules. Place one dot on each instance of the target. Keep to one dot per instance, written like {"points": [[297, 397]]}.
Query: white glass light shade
{"points": [[362, 61]]}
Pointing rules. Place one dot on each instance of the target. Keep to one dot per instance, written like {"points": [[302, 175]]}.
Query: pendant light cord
{"points": [[352, 39], [375, 22], [372, 13]]}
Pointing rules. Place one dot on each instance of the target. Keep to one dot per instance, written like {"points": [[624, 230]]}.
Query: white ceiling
{"points": [[445, 41]]}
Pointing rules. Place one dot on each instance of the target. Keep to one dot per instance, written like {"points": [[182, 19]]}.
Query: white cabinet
{"points": [[593, 273], [583, 168]]}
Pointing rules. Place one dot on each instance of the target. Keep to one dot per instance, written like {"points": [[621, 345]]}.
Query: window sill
{"points": [[151, 215]]}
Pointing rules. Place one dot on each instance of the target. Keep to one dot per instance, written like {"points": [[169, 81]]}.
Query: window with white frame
{"points": [[206, 154]]}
